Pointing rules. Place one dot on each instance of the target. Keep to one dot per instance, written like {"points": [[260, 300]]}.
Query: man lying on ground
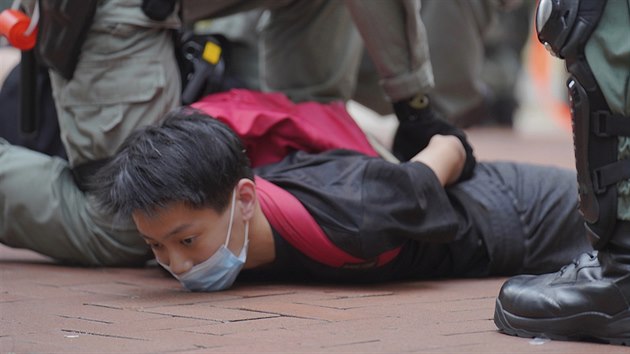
{"points": [[337, 215]]}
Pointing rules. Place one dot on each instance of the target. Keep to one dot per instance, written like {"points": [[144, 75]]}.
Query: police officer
{"points": [[590, 298]]}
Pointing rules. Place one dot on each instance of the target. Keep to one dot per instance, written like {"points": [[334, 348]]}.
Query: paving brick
{"points": [[303, 311], [209, 312], [166, 323], [266, 325], [113, 316]]}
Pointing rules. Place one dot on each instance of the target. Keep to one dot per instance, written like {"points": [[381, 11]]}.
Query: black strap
{"points": [[607, 124], [28, 93], [610, 174], [63, 27]]}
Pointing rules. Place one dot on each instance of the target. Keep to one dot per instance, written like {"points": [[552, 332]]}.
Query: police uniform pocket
{"points": [[111, 82], [105, 88], [104, 102]]}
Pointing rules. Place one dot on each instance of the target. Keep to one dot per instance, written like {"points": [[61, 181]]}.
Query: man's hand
{"points": [[446, 156]]}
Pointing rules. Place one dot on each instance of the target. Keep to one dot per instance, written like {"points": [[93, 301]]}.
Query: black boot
{"points": [[418, 123], [586, 300]]}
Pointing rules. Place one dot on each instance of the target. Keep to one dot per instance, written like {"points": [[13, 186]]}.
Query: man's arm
{"points": [[445, 155]]}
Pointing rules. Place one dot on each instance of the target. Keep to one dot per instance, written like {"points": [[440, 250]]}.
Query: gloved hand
{"points": [[417, 126]]}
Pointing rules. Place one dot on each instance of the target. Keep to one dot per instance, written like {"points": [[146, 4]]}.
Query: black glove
{"points": [[158, 10], [416, 128]]}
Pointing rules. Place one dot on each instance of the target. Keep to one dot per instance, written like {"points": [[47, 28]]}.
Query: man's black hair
{"points": [[190, 157]]}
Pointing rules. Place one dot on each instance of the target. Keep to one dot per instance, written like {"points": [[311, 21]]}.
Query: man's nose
{"points": [[178, 263]]}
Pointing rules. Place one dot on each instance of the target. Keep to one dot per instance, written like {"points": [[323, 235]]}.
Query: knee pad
{"points": [[564, 26]]}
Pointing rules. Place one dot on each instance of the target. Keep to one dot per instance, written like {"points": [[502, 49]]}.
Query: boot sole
{"points": [[588, 326]]}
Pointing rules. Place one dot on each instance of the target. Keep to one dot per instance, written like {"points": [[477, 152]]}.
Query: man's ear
{"points": [[246, 197]]}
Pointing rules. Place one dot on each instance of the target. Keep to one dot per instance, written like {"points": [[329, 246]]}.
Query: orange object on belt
{"points": [[14, 25]]}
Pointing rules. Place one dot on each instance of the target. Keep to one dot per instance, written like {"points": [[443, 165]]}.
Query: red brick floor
{"points": [[47, 308]]}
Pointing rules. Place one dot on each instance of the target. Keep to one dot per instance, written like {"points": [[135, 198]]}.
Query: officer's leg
{"points": [[126, 77], [590, 298], [457, 64], [41, 209], [310, 50]]}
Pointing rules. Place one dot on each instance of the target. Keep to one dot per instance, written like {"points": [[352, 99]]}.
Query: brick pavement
{"points": [[47, 308]]}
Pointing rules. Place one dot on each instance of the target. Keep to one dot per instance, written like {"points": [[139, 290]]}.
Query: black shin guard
{"points": [[564, 27]]}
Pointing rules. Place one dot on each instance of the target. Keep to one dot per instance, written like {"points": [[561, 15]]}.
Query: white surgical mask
{"points": [[220, 270]]}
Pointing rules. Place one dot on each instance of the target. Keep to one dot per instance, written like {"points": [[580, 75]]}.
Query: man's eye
{"points": [[188, 241]]}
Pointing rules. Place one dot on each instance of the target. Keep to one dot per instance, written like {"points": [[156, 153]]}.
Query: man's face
{"points": [[181, 236]]}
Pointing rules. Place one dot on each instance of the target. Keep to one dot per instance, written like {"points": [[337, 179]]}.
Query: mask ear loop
{"points": [[229, 235], [246, 233]]}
